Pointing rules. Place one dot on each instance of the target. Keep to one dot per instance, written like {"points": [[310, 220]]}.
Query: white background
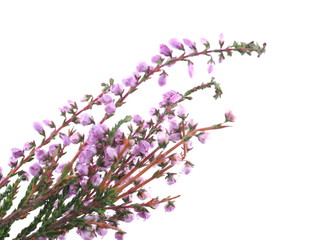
{"points": [[257, 180]]}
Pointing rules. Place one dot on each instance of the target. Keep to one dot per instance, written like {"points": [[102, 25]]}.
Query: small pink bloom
{"points": [[12, 162], [142, 67], [105, 99], [85, 119], [157, 59], [117, 89], [181, 112], [190, 44], [35, 169], [165, 50], [143, 194], [176, 44], [75, 138], [128, 217], [41, 155], [101, 231], [162, 80], [38, 127], [95, 179], [118, 235], [210, 67], [162, 138], [204, 41], [82, 169], [16, 153], [137, 119], [202, 137], [169, 207], [144, 215], [230, 117], [130, 82], [110, 108], [187, 168], [48, 123], [190, 68]]}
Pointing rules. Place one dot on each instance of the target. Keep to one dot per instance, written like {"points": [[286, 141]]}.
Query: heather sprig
{"points": [[104, 181]]}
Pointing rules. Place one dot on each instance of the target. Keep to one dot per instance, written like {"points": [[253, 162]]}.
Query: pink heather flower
{"points": [[85, 119], [141, 148], [191, 45], [48, 123], [144, 215], [117, 89], [169, 207], [170, 178], [86, 235], [142, 67], [87, 154], [65, 139], [96, 133], [60, 168], [41, 155], [27, 146], [230, 117], [221, 41], [176, 44], [130, 82], [110, 108], [170, 97], [173, 126], [95, 179], [187, 168], [162, 80], [38, 127], [190, 68], [35, 169], [53, 148], [162, 138], [210, 67], [175, 158], [174, 137], [153, 111], [202, 137], [143, 194], [204, 41], [75, 138], [62, 237], [165, 50], [181, 112], [12, 162], [157, 59], [101, 231], [118, 235], [111, 153], [105, 99], [16, 153], [137, 119], [128, 217], [82, 169]]}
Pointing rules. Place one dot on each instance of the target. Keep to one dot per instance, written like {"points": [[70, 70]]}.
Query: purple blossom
{"points": [[175, 158], [65, 139], [181, 112], [204, 41], [169, 207], [96, 133], [41, 155], [170, 97], [85, 119], [62, 237], [176, 43], [16, 153], [221, 41], [101, 231], [60, 168], [174, 137], [86, 235], [165, 50], [141, 148], [157, 59], [162, 138], [95, 179], [73, 190], [202, 137], [38, 127], [12, 162], [130, 82], [187, 168], [53, 148], [111, 153], [35, 169], [87, 154], [143, 194], [144, 215], [48, 123], [137, 119], [230, 117], [117, 89], [142, 67], [128, 217], [83, 169], [190, 68], [191, 45], [153, 111], [119, 235], [27, 146], [162, 80], [110, 108], [75, 138], [210, 67], [173, 126], [170, 178], [105, 99]]}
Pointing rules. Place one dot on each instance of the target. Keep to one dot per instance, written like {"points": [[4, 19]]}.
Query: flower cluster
{"points": [[104, 182]]}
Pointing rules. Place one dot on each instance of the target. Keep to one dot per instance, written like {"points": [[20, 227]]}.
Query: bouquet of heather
{"points": [[103, 181]]}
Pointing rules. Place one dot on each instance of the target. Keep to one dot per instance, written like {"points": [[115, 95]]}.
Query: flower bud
{"points": [[163, 139], [230, 117], [176, 44], [165, 50]]}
